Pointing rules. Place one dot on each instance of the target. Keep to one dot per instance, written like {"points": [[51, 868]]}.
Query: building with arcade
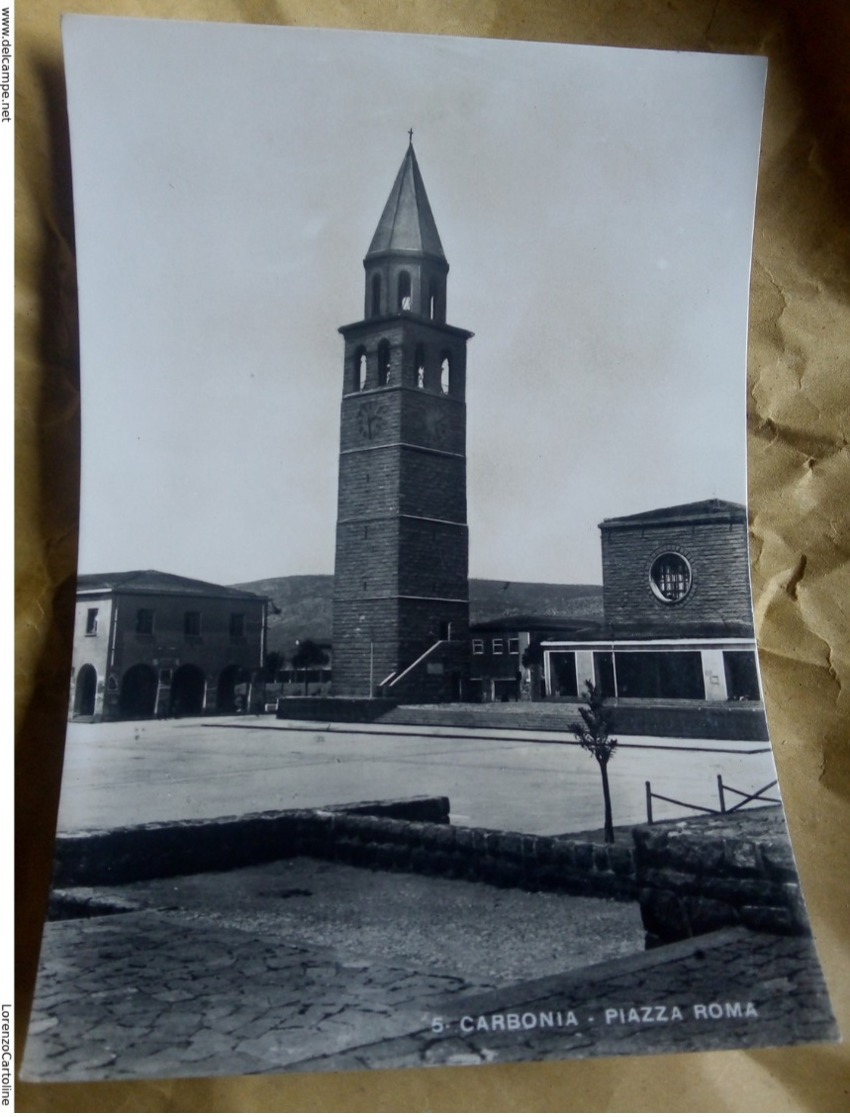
{"points": [[148, 644]]}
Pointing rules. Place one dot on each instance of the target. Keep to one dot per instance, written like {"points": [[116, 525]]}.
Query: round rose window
{"points": [[670, 577]]}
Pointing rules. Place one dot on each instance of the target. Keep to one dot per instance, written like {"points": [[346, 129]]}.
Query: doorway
{"points": [[86, 692]]}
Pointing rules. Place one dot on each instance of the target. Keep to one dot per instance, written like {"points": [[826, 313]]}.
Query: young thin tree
{"points": [[532, 659], [593, 733]]}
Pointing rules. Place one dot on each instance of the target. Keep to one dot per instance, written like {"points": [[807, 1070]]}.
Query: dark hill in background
{"points": [[490, 601], [305, 605], [301, 608]]}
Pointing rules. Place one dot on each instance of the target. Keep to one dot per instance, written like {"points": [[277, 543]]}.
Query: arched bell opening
{"points": [[404, 291]]}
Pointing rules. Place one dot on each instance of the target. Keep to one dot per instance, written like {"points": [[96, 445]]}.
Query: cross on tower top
{"points": [[407, 224]]}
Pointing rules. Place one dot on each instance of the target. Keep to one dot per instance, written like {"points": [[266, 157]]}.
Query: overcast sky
{"points": [[595, 206]]}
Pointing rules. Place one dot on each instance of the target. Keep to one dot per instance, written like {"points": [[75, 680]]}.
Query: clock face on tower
{"points": [[370, 420], [437, 426]]}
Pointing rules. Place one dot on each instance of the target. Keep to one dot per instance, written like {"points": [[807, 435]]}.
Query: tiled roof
{"points": [[156, 582]]}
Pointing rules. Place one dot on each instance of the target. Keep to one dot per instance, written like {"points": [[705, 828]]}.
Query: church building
{"points": [[678, 619], [401, 586]]}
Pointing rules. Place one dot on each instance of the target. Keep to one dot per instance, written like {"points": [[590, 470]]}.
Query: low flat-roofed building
{"points": [[498, 649], [148, 644]]}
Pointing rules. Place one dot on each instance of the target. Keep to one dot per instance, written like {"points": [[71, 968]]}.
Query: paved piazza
{"points": [[536, 782], [292, 966]]}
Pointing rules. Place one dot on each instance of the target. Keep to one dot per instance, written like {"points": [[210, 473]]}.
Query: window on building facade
{"points": [[670, 577], [144, 622], [432, 301], [237, 626], [564, 675], [419, 361], [603, 669], [478, 647], [91, 622], [445, 630], [742, 677], [513, 646], [498, 647], [191, 623], [659, 675], [376, 295]]}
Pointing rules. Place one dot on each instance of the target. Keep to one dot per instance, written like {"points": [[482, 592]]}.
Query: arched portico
{"points": [[85, 692], [228, 680], [187, 691], [138, 692]]}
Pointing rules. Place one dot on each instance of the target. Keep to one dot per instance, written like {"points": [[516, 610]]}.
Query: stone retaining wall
{"points": [[327, 709], [420, 808], [405, 836], [727, 721], [699, 881], [497, 857], [691, 878], [164, 849], [732, 721]]}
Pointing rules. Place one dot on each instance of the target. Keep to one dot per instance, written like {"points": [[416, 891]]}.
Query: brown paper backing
{"points": [[799, 484]]}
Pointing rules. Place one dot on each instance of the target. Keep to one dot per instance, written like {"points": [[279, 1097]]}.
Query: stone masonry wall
{"points": [[693, 882], [368, 481], [418, 839], [734, 721], [497, 857], [433, 562], [163, 849], [718, 558], [688, 882], [731, 721], [323, 709]]}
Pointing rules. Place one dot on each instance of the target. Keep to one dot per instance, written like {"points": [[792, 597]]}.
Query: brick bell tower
{"points": [[401, 586]]}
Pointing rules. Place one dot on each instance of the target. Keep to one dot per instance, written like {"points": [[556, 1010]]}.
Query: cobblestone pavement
{"points": [[195, 991], [190, 999], [729, 989]]}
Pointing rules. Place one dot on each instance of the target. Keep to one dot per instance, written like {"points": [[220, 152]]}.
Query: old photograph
{"points": [[415, 715]]}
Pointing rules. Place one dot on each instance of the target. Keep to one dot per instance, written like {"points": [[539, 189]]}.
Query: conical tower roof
{"points": [[407, 224]]}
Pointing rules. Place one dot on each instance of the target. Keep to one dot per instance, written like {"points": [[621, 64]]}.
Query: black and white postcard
{"points": [[415, 716]]}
